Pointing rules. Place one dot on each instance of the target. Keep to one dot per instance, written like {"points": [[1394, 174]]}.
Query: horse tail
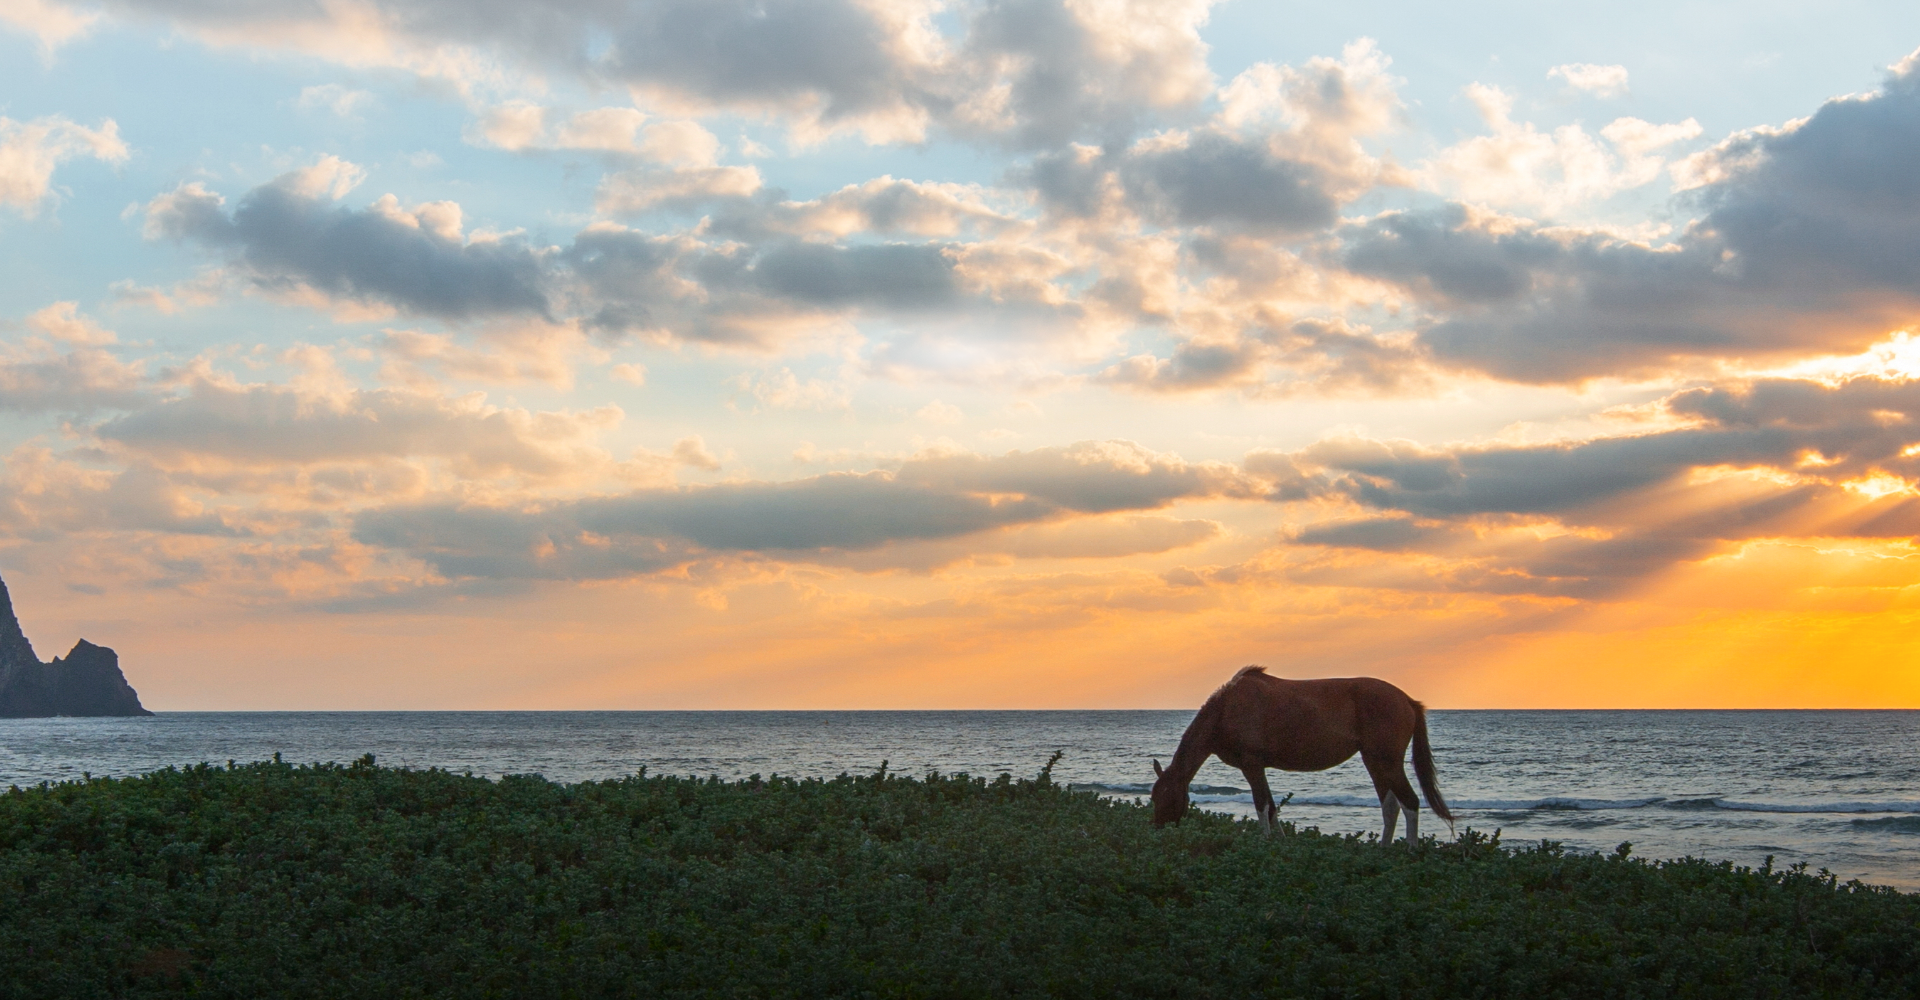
{"points": [[1423, 766]]}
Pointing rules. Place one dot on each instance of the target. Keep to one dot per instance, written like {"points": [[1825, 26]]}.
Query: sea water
{"points": [[1834, 789]]}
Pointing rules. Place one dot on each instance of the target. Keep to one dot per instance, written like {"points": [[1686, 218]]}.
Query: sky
{"points": [[581, 354]]}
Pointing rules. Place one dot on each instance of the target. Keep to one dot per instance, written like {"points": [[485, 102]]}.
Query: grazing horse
{"points": [[1256, 721]]}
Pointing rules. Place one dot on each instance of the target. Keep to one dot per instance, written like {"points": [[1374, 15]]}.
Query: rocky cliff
{"points": [[86, 681]]}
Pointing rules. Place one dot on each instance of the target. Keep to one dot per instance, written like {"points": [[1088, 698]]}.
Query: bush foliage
{"points": [[269, 879]]}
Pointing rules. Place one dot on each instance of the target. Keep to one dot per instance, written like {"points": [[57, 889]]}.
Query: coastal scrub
{"points": [[270, 879]]}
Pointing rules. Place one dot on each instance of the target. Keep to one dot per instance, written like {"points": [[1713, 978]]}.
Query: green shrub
{"points": [[270, 880]]}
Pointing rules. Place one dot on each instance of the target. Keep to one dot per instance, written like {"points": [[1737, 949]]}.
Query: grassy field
{"points": [[270, 880]]}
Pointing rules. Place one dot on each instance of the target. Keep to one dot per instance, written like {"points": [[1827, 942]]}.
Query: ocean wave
{"points": [[1206, 794], [1896, 824], [1895, 806], [1144, 787], [1553, 803]]}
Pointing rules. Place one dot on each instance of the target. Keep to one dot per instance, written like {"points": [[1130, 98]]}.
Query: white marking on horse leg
{"points": [[1413, 824], [1389, 814], [1272, 819]]}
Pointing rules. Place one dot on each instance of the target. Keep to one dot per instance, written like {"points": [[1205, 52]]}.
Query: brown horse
{"points": [[1256, 721]]}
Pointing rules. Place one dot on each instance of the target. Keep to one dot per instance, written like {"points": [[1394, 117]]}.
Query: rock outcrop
{"points": [[86, 681]]}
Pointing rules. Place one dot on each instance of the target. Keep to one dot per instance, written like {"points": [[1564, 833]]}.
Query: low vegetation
{"points": [[271, 880]]}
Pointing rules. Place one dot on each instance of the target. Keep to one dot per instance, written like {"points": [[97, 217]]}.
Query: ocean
{"points": [[1834, 789]]}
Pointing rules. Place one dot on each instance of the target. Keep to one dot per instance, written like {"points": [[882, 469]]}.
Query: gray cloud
{"points": [[780, 53], [928, 498], [1308, 354], [288, 235], [1810, 243], [1635, 492], [1387, 534], [745, 295], [1208, 177], [883, 205], [1220, 179], [1192, 367], [1080, 78], [898, 276], [829, 63]]}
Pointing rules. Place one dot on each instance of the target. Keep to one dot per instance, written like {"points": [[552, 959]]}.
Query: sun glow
{"points": [[1897, 357], [1878, 486]]}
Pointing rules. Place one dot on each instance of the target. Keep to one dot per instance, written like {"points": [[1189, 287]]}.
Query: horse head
{"points": [[1169, 797]]}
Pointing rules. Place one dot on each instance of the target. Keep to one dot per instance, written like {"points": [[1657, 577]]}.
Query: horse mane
{"points": [[1194, 747], [1237, 677], [1211, 707]]}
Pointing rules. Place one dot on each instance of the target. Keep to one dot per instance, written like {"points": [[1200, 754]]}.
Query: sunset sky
{"points": [[1014, 353]]}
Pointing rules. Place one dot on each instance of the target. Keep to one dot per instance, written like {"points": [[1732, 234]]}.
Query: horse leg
{"points": [[1400, 793], [1396, 795], [1263, 808]]}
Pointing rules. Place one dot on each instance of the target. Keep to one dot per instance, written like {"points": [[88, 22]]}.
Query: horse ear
{"points": [[1156, 770]]}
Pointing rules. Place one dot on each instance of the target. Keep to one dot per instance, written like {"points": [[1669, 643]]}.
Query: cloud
{"points": [[1806, 246], [215, 422], [53, 24], [522, 126], [1166, 231], [752, 296], [1040, 72], [1280, 158], [1091, 537], [62, 367], [1319, 110], [929, 497], [1600, 81], [290, 239], [499, 353], [516, 125], [287, 237], [633, 192], [196, 479], [29, 152], [1212, 178], [1518, 166], [884, 205], [444, 44], [1026, 72], [1308, 355], [783, 390], [62, 321], [1748, 460], [202, 290], [1809, 244], [1106, 538], [832, 65], [1192, 367], [692, 451], [45, 499], [1223, 237], [343, 101]]}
